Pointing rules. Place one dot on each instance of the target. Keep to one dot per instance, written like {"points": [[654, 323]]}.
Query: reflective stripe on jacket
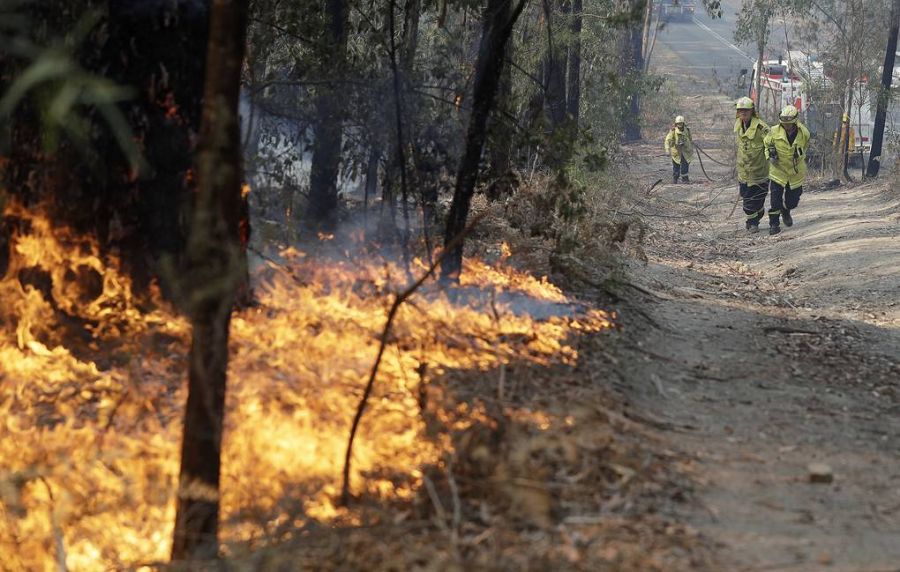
{"points": [[790, 169], [751, 151], [686, 149]]}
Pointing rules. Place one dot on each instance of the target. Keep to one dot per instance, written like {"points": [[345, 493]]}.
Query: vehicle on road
{"points": [[673, 10]]}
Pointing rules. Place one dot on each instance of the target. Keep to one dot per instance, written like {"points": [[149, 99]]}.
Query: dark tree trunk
{"points": [[411, 15], [326, 159], [216, 267], [371, 177], [499, 18], [884, 94], [534, 108], [632, 68], [501, 133], [557, 54], [573, 101], [757, 79]]}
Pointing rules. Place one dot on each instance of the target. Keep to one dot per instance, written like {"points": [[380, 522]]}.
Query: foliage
{"points": [[63, 93], [286, 67]]}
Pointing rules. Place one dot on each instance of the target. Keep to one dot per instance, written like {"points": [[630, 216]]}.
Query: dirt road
{"points": [[763, 355]]}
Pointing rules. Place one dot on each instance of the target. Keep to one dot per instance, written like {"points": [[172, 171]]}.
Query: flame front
{"points": [[92, 393]]}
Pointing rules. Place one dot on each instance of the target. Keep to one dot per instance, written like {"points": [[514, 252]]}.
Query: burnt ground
{"points": [[757, 356]]}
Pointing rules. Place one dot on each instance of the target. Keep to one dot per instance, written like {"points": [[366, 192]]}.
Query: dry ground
{"points": [[760, 355]]}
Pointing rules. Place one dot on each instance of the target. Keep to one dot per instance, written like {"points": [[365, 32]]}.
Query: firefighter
{"points": [[753, 172], [680, 146], [786, 150]]}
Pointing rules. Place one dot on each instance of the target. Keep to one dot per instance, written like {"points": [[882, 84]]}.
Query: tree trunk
{"points": [[499, 18], [637, 59], [327, 132], [573, 102], [651, 42], [215, 268], [371, 179], [845, 151], [645, 32], [501, 133], [412, 15], [760, 66], [632, 68], [884, 94], [557, 53]]}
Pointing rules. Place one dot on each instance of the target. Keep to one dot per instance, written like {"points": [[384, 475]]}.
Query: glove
{"points": [[773, 155], [797, 152], [679, 144]]}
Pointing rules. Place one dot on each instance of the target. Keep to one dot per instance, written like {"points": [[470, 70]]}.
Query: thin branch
{"points": [[828, 15], [399, 299], [525, 72], [512, 120], [285, 31], [547, 14]]}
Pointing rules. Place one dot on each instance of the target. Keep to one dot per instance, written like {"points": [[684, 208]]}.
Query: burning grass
{"points": [[91, 393]]}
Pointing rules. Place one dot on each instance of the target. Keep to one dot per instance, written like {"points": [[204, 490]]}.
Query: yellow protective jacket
{"points": [[686, 147], [751, 151], [790, 168]]}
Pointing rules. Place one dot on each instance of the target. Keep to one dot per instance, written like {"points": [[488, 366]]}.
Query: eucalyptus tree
{"points": [[753, 26], [497, 25], [884, 92], [216, 266], [853, 34]]}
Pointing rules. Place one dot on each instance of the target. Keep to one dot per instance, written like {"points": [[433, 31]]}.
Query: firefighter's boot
{"points": [[675, 179], [685, 179], [786, 216], [752, 226], [774, 225]]}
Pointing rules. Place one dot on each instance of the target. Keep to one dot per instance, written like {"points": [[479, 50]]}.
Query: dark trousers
{"points": [[783, 198], [679, 168], [754, 197]]}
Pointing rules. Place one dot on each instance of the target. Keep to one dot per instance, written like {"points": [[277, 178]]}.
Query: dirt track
{"points": [[761, 355]]}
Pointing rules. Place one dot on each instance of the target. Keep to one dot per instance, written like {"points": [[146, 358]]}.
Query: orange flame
{"points": [[92, 393]]}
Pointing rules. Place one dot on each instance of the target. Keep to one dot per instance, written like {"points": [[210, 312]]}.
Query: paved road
{"points": [[704, 49]]}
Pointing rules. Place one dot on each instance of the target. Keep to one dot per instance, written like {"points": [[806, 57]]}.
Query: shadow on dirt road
{"points": [[774, 362]]}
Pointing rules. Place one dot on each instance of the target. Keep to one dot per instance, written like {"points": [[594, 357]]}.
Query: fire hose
{"points": [[700, 159], [702, 168]]}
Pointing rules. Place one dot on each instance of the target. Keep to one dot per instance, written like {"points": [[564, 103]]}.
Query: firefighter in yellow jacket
{"points": [[680, 147], [786, 150], [753, 173]]}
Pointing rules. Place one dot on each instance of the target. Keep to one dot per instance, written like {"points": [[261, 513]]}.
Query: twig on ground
{"points": [[457, 505], [436, 502], [786, 330]]}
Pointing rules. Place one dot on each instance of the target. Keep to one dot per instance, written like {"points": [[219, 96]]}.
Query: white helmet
{"points": [[679, 119]]}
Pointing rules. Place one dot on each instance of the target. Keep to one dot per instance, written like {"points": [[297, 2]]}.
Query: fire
{"points": [[171, 108], [93, 389]]}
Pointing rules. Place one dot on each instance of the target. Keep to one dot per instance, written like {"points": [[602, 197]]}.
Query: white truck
{"points": [[800, 80], [675, 9]]}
